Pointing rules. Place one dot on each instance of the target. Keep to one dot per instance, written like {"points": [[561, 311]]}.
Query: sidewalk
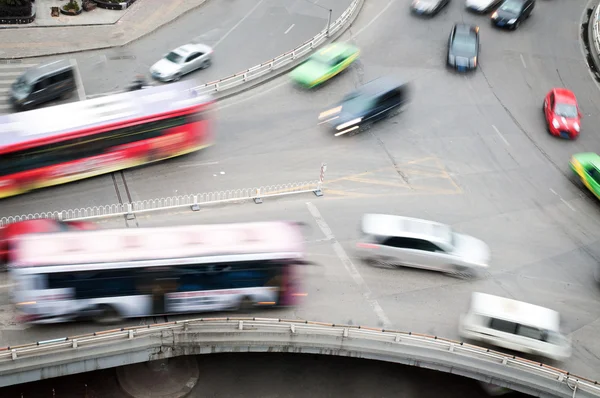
{"points": [[89, 31]]}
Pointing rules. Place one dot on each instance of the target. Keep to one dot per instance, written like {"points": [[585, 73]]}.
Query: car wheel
{"points": [[176, 77], [108, 315], [246, 304], [517, 24], [205, 64]]}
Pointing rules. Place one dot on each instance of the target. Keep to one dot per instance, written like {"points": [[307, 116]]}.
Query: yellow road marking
{"points": [[378, 182]]}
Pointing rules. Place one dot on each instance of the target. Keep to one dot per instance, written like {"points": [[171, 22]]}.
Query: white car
{"points": [[181, 61], [481, 5], [411, 242]]}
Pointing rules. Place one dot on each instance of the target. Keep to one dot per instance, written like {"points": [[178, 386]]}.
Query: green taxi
{"points": [[587, 167], [324, 64]]}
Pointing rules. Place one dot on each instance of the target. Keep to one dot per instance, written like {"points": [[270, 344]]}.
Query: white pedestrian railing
{"points": [[241, 330], [193, 201], [282, 60]]}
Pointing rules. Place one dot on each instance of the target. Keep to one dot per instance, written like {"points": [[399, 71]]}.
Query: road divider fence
{"points": [[193, 201], [248, 334]]}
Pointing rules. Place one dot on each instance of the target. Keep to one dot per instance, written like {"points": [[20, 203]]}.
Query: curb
{"points": [[593, 58], [284, 70], [104, 46]]}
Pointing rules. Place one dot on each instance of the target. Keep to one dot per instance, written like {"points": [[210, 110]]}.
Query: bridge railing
{"points": [[333, 339]]}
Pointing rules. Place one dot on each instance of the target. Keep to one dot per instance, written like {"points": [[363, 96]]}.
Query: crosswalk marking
{"points": [[8, 74]]}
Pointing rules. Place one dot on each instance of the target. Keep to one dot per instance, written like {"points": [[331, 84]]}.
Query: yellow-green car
{"points": [[587, 167], [324, 64]]}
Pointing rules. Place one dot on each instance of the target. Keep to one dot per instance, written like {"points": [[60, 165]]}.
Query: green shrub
{"points": [[72, 5], [14, 3]]}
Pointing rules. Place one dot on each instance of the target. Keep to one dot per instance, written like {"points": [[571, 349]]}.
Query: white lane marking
{"points": [[199, 164], [500, 135], [78, 80], [288, 29], [4, 90], [350, 267], [3, 106], [562, 200], [13, 66], [374, 19], [11, 73], [523, 61], [238, 24]]}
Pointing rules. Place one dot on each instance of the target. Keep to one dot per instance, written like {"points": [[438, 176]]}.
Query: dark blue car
{"points": [[463, 47]]}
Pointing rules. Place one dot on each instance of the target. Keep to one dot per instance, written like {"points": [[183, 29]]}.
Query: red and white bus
{"points": [[108, 274], [64, 143]]}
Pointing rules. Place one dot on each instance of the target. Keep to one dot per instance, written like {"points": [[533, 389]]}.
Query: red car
{"points": [[36, 226], [562, 113]]}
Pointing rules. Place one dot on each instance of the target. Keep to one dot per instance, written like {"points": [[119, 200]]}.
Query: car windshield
{"points": [[513, 7], [174, 57], [465, 45], [565, 110], [356, 104], [594, 173], [21, 85]]}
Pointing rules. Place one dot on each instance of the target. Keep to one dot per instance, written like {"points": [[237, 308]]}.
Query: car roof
{"points": [[515, 311], [34, 73], [466, 29], [565, 95], [333, 50], [187, 49], [379, 86], [406, 227]]}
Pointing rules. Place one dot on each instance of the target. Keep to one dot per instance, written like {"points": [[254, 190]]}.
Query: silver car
{"points": [[182, 60], [404, 241], [481, 6]]}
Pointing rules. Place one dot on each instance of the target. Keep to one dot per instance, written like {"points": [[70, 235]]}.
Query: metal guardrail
{"points": [[281, 330], [193, 201], [280, 61]]}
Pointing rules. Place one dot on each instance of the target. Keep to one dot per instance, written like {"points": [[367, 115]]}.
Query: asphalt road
{"points": [[243, 33], [244, 375], [471, 151]]}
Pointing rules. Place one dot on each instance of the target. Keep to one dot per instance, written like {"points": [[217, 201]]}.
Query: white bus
{"points": [[108, 274], [515, 325]]}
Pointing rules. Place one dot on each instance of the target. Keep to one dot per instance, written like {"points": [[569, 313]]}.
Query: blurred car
{"points": [[563, 117], [182, 60], [587, 167], [463, 47], [413, 242], [428, 7], [42, 225], [43, 83], [481, 6], [515, 325], [511, 13], [324, 64], [373, 101]]}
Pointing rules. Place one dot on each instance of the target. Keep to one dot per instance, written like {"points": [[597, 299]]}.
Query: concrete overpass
{"points": [[126, 346]]}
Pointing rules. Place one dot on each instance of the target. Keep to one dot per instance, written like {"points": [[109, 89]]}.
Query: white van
{"points": [[515, 325]]}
